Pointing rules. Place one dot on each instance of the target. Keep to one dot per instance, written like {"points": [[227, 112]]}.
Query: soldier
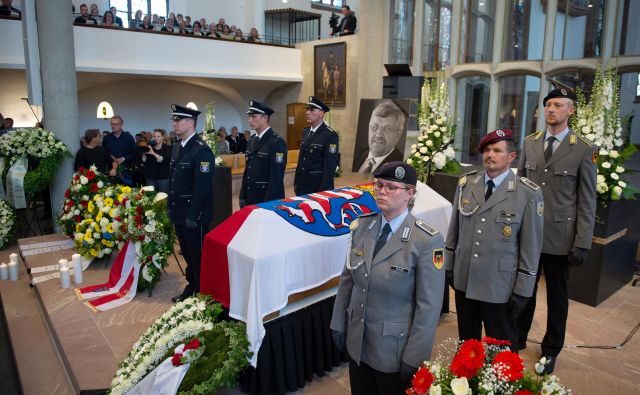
{"points": [[563, 164], [318, 152], [190, 193], [263, 178], [493, 243], [390, 293]]}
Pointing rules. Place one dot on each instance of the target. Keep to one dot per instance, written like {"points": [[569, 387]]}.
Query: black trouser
{"points": [[497, 323], [556, 274], [190, 241], [365, 380]]}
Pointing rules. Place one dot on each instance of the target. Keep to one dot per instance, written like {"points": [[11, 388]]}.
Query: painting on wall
{"points": [[330, 72]]}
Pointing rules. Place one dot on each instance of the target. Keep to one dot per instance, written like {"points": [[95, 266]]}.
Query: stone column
{"points": [[59, 88]]}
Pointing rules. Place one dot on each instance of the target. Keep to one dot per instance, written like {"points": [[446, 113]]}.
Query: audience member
{"points": [[179, 18], [7, 123], [170, 27], [107, 19], [203, 23], [254, 37], [146, 23], [187, 19], [121, 146], [247, 135], [212, 31], [157, 158], [197, 29], [117, 19], [173, 137], [84, 17], [136, 21], [238, 35], [6, 9], [154, 19], [348, 23], [92, 153], [226, 33], [233, 29], [222, 146], [183, 27], [95, 13], [237, 143], [220, 25]]}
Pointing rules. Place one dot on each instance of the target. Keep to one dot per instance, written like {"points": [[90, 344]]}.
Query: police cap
{"points": [[397, 171], [179, 112], [315, 103], [255, 107]]}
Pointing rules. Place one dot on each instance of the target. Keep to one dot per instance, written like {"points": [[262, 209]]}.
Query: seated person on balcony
{"points": [[136, 21], [154, 19], [238, 35], [197, 29], [158, 26], [183, 28], [212, 31], [91, 153], [7, 10], [237, 143], [222, 146], [254, 37], [203, 23], [117, 19], [187, 19], [233, 29], [172, 16], [348, 23], [170, 26], [84, 17], [146, 23], [220, 25], [95, 13], [226, 33], [179, 18], [107, 19]]}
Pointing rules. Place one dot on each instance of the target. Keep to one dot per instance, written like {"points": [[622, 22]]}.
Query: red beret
{"points": [[494, 137]]}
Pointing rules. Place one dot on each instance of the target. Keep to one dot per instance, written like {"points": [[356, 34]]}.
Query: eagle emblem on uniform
{"points": [[333, 148], [438, 258]]}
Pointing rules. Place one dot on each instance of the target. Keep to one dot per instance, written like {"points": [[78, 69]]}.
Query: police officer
{"points": [[263, 178], [318, 152], [493, 242], [390, 293], [563, 164], [190, 193]]}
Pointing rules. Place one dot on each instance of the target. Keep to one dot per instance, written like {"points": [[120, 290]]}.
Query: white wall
{"points": [[14, 88], [145, 104]]}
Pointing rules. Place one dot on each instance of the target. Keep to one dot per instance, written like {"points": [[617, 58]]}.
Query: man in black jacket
{"points": [[190, 193], [318, 152], [263, 178], [348, 23], [237, 143], [85, 18], [6, 9]]}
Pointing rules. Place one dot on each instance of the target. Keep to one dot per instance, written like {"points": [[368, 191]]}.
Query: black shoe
{"points": [[545, 365], [188, 292]]}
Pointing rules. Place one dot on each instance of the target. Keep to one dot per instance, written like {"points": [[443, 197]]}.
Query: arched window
{"points": [[472, 111], [518, 105]]}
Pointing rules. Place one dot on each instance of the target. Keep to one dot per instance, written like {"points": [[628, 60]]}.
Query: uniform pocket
{"points": [[395, 332]]}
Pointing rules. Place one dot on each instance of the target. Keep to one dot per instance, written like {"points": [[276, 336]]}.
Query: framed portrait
{"points": [[330, 73], [381, 133]]}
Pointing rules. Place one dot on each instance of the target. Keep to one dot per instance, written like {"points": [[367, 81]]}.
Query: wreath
{"points": [[43, 150], [7, 223]]}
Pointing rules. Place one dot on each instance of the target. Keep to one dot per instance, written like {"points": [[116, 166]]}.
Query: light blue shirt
{"points": [[394, 223], [559, 137], [496, 181]]}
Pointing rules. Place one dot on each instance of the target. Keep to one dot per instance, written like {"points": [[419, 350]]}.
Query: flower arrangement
{"points": [[217, 351], [43, 150], [7, 223], [480, 367], [599, 122], [99, 216], [434, 148]]}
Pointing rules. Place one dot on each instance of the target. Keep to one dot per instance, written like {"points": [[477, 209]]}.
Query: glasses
{"points": [[389, 188]]}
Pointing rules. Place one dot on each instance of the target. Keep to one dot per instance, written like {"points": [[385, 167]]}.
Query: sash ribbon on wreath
{"points": [[121, 287]]}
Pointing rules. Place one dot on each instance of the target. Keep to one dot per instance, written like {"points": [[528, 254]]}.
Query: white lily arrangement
{"points": [[598, 120], [7, 222]]}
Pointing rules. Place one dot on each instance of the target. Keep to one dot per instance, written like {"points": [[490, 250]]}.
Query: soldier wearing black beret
{"points": [[263, 178], [190, 192], [319, 152]]}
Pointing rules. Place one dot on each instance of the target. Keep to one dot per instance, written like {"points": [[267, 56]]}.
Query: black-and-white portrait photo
{"points": [[382, 130]]}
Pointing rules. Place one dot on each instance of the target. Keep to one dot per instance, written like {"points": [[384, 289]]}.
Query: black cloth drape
{"points": [[294, 348]]}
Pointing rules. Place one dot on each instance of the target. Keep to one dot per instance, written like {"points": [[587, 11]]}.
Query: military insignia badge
{"points": [[594, 157], [399, 173], [465, 201], [279, 157], [333, 148], [573, 139], [506, 231], [204, 167], [353, 225], [438, 258], [462, 181], [358, 252], [500, 133], [563, 91], [540, 209]]}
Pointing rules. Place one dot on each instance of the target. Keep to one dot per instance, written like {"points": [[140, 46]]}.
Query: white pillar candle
{"points": [[65, 277], [13, 257], [4, 271], [63, 263], [13, 271], [77, 268]]}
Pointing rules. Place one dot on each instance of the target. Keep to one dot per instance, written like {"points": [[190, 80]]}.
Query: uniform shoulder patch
{"points": [[426, 227], [472, 172], [367, 214], [199, 142], [438, 258], [535, 135], [529, 183], [584, 140]]}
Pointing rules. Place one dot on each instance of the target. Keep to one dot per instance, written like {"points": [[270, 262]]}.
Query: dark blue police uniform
{"points": [[190, 199], [319, 156]]}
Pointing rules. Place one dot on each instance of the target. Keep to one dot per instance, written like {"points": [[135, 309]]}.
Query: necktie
{"points": [[489, 191], [549, 151], [369, 166], [386, 229]]}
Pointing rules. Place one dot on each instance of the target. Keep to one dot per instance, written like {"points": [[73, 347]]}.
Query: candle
{"points": [[13, 271], [13, 257], [65, 277], [4, 271], [77, 268], [63, 263]]}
